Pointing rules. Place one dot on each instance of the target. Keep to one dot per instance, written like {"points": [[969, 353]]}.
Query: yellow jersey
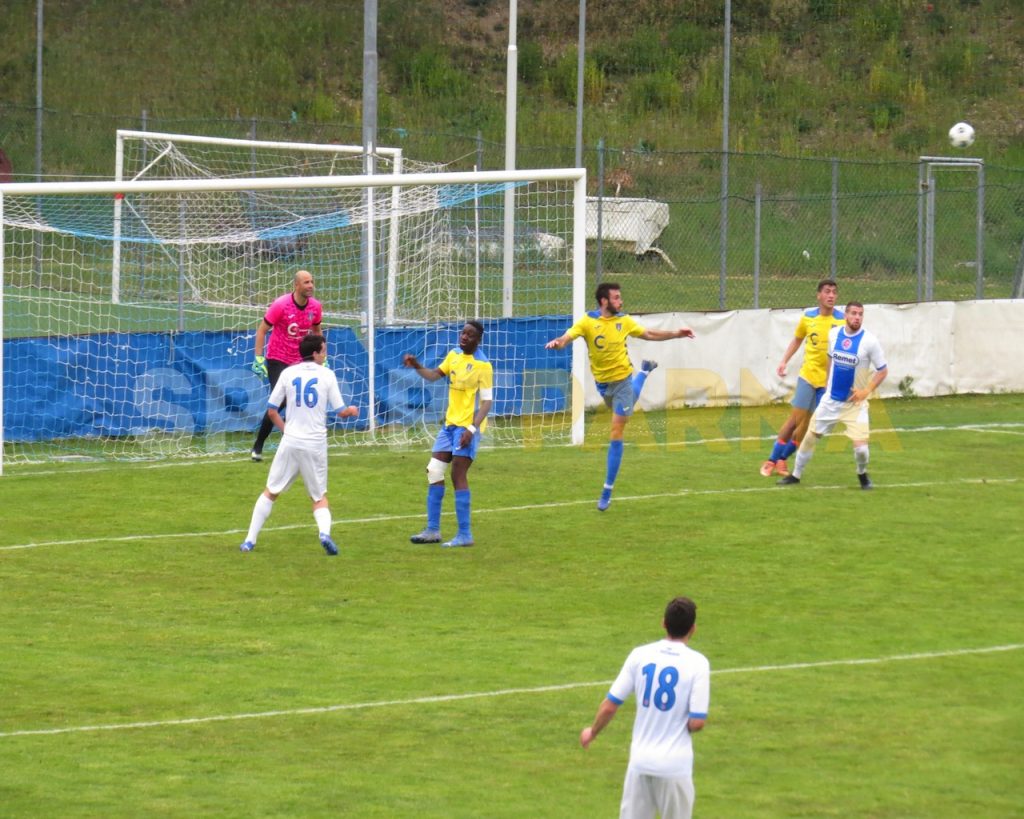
{"points": [[814, 326], [467, 375], [606, 344]]}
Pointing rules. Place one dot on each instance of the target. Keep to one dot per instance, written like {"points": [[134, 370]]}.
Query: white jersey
{"points": [[852, 355], [311, 391], [672, 683]]}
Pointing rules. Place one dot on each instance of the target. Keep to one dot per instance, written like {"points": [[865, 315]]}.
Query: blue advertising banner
{"points": [[121, 384]]}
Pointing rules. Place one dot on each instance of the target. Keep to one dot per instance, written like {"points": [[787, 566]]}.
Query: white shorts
{"points": [[853, 416], [293, 459], [645, 796]]}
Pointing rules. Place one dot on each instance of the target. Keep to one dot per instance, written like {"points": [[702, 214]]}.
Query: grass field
{"points": [[867, 648]]}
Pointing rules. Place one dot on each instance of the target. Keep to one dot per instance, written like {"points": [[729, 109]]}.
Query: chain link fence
{"points": [[656, 219]]}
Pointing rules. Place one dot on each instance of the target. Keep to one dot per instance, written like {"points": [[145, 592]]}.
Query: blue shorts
{"points": [[806, 397], [618, 395], [448, 438]]}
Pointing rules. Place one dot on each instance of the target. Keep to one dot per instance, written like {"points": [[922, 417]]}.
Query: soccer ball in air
{"points": [[961, 135]]}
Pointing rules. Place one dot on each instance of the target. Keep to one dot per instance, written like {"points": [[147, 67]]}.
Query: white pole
{"points": [[510, 159], [579, 286], [370, 245], [115, 269], [277, 183], [311, 147], [476, 249], [723, 237], [580, 64], [391, 304]]}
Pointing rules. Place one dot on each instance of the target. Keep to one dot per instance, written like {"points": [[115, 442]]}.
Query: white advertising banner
{"points": [[934, 348]]}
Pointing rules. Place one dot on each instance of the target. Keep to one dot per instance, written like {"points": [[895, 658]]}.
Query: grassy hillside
{"points": [[821, 77]]}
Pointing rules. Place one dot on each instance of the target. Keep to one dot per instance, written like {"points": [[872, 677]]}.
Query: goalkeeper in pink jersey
{"points": [[289, 319]]}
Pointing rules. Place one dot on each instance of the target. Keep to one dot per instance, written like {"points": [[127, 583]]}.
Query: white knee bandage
{"points": [[436, 470]]}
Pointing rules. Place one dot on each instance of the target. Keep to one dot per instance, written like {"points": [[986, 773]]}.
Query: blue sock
{"points": [[614, 462], [777, 451], [462, 506], [639, 379], [788, 450], [435, 496]]}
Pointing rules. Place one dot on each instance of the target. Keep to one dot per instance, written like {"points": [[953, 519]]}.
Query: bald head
{"points": [[303, 287]]}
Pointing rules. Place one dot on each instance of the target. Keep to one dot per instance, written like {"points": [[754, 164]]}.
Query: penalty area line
{"points": [[504, 692]]}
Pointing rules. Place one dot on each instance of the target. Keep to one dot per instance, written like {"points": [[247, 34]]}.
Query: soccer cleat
{"points": [[426, 536], [328, 544], [605, 500], [458, 540], [789, 480], [256, 456], [247, 546], [781, 469], [865, 481], [767, 468], [648, 365]]}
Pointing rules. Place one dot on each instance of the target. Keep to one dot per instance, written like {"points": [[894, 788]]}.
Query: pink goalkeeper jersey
{"points": [[290, 324]]}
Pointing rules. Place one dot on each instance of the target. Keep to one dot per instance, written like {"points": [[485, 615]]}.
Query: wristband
{"points": [[472, 429]]}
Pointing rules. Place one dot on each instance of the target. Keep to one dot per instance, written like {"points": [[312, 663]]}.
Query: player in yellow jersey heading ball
{"points": [[605, 330], [812, 334]]}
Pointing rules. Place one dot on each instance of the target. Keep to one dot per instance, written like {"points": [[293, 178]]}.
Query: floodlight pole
{"points": [[38, 249], [580, 62], [369, 230], [510, 161], [723, 236]]}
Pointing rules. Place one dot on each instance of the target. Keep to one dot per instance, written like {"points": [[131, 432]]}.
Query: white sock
{"points": [[802, 459], [860, 455], [260, 512], [323, 519], [804, 454]]}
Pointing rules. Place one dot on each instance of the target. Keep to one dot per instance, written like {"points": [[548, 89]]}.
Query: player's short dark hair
{"points": [[479, 327], [604, 290], [850, 304], [680, 615], [827, 283], [310, 344]]}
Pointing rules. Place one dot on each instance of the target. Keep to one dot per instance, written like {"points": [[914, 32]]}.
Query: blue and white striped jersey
{"points": [[852, 356]]}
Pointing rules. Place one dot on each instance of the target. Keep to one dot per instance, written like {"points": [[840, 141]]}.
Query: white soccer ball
{"points": [[961, 135]]}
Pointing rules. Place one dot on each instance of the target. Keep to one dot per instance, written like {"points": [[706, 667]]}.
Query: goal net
{"points": [[129, 308], [145, 155]]}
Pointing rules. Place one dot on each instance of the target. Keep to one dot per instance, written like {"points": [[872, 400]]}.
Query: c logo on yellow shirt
{"points": [[598, 342], [813, 338]]}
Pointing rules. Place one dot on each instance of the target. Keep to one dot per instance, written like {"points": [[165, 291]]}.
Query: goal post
{"points": [[164, 371]]}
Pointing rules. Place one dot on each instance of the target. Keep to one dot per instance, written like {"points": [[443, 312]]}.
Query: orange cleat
{"points": [[768, 467]]}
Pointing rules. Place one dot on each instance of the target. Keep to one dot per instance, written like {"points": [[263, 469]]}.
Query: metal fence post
{"points": [[757, 244], [980, 228], [922, 187], [834, 261]]}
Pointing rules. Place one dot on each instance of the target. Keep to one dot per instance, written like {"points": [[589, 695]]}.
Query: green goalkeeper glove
{"points": [[259, 366]]}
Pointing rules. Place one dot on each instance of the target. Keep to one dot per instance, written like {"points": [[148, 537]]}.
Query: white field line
{"points": [[505, 692], [679, 493], [1009, 428]]}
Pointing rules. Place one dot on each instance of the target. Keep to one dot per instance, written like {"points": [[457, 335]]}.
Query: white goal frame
{"points": [[124, 135], [927, 166], [575, 176]]}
